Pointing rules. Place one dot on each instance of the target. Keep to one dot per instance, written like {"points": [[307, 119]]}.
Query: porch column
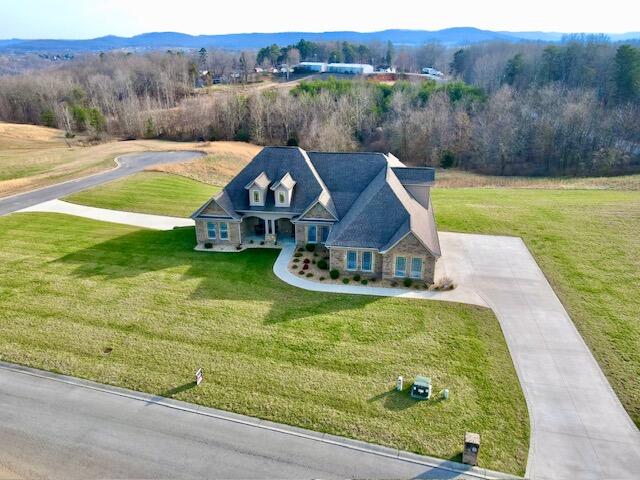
{"points": [[266, 226]]}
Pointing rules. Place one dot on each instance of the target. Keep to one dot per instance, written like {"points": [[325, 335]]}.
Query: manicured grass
{"points": [[72, 288], [588, 245], [148, 192]]}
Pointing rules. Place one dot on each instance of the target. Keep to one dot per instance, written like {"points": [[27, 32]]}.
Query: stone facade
{"points": [[214, 209], [318, 212], [384, 264], [338, 261], [201, 233], [409, 247]]}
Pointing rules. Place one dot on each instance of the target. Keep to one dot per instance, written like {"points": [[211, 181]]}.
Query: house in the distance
{"points": [[371, 212]]}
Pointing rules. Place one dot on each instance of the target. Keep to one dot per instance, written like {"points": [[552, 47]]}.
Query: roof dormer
{"points": [[283, 190], [258, 190]]}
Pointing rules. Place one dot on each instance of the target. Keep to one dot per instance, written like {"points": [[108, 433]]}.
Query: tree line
{"points": [[511, 109]]}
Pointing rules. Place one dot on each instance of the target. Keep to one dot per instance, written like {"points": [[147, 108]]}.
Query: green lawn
{"points": [[141, 309], [148, 192], [587, 242]]}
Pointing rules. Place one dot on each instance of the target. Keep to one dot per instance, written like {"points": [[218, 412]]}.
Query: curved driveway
{"points": [[127, 164]]}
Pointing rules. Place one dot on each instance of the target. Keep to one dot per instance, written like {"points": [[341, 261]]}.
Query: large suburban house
{"points": [[371, 212]]}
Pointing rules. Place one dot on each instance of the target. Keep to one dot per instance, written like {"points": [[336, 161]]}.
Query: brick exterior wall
{"points": [[409, 247], [201, 233], [338, 260], [301, 234]]}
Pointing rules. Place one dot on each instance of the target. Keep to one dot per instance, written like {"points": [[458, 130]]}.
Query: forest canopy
{"points": [[570, 108]]}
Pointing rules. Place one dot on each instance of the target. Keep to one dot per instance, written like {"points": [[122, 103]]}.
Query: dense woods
{"points": [[571, 108]]}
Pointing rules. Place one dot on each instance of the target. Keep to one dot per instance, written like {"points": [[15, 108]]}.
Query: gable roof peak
{"points": [[286, 181], [262, 181]]}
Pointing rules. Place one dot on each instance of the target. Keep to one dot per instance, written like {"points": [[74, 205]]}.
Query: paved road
{"points": [[579, 428], [55, 429], [129, 164]]}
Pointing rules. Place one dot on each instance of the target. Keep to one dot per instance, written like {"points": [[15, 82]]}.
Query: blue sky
{"points": [[92, 18]]}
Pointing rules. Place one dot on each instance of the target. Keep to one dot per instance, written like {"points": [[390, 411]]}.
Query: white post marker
{"points": [[199, 374], [399, 383]]}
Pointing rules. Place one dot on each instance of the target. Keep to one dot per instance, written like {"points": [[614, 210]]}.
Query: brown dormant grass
{"points": [[33, 157]]}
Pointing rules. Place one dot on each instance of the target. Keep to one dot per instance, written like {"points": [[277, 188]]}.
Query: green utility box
{"points": [[421, 388]]}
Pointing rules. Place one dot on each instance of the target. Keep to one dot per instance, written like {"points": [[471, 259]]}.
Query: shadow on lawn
{"points": [[244, 276], [395, 400]]}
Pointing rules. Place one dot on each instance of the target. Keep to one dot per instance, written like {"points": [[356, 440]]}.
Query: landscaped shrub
{"points": [[238, 247], [301, 249], [334, 273], [297, 254], [301, 272], [364, 281], [322, 264], [407, 282], [345, 280], [315, 254], [356, 277], [321, 278], [296, 260], [309, 274], [208, 245], [310, 247], [306, 260], [262, 242], [251, 241], [394, 283], [305, 266]]}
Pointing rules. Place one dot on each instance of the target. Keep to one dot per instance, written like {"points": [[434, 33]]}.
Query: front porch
{"points": [[266, 231]]}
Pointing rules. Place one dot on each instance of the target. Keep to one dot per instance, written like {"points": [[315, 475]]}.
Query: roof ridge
{"points": [[330, 205]]}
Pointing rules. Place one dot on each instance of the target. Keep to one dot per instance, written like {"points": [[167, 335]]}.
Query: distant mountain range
{"points": [[165, 40]]}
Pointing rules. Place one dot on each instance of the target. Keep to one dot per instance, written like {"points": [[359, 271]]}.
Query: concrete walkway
{"points": [[579, 428], [156, 222], [52, 426], [461, 294]]}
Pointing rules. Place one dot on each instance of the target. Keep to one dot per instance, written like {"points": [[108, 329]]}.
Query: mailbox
{"points": [[471, 448]]}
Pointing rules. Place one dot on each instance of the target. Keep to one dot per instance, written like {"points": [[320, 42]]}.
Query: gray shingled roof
{"points": [[346, 175], [415, 175], [382, 215], [276, 162], [364, 191]]}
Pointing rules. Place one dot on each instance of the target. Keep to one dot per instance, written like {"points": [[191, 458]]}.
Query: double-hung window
{"points": [[352, 260], [367, 261], [211, 230], [256, 196], [282, 198], [401, 267], [224, 231], [324, 233], [416, 267], [312, 234]]}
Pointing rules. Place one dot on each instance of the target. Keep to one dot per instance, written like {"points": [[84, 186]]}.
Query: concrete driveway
{"points": [[127, 164], [579, 429]]}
